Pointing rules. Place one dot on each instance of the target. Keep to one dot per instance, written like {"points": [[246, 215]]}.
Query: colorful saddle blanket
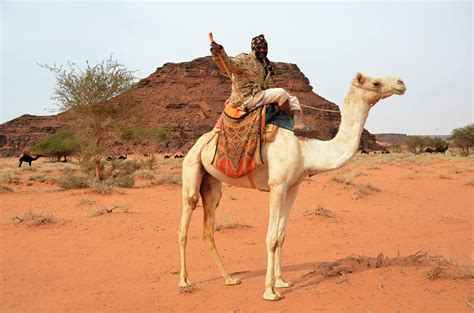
{"points": [[238, 148]]}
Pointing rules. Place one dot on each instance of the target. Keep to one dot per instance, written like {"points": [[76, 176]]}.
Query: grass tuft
{"points": [[320, 210], [34, 219], [229, 225]]}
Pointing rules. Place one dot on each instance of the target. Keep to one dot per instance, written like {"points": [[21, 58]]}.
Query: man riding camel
{"points": [[250, 74]]}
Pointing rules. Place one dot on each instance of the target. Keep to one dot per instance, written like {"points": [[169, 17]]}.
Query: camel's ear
{"points": [[360, 78]]}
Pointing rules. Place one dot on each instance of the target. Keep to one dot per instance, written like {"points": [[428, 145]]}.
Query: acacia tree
{"points": [[416, 144], [85, 95], [463, 137], [60, 144]]}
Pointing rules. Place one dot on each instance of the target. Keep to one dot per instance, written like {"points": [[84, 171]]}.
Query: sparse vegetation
{"points": [[75, 181], [364, 189], [227, 224], [470, 182], [33, 218], [320, 210], [167, 179], [444, 176], [4, 188], [98, 211], [145, 174], [9, 178]]}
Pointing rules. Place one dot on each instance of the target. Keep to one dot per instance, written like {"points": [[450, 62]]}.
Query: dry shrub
{"points": [[98, 211], [102, 187], [145, 174], [455, 170], [444, 176], [320, 210], [75, 181], [439, 266], [364, 189], [9, 178], [470, 182], [34, 219], [83, 201], [123, 180], [342, 179], [149, 162], [167, 179], [229, 225], [4, 189]]}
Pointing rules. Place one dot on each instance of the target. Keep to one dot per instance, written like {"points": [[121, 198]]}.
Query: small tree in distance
{"points": [[416, 144], [463, 137], [85, 95]]}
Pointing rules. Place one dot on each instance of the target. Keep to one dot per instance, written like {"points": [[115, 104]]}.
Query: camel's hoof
{"points": [[271, 295], [185, 283], [281, 283], [232, 281]]}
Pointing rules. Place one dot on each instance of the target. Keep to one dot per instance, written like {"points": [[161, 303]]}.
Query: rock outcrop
{"points": [[186, 99]]}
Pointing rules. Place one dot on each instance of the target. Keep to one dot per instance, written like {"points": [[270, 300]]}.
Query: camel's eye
{"points": [[377, 84]]}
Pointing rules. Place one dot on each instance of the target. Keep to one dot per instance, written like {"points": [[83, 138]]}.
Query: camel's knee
{"points": [[272, 244], [192, 200]]}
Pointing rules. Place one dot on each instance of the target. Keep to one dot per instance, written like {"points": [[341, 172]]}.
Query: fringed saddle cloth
{"points": [[238, 149]]}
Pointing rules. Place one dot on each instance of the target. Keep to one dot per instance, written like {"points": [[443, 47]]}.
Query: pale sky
{"points": [[428, 44]]}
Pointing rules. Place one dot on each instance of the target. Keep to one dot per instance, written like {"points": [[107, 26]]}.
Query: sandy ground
{"points": [[129, 261]]}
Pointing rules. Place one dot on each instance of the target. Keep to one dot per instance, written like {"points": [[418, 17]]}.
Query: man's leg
{"points": [[289, 105]]}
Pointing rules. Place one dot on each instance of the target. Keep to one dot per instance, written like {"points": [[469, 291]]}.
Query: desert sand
{"points": [[415, 209]]}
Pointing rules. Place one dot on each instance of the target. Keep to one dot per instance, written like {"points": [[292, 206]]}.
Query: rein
{"points": [[335, 111]]}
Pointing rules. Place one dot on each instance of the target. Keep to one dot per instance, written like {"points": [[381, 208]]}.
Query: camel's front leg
{"points": [[211, 194], [280, 282], [277, 198]]}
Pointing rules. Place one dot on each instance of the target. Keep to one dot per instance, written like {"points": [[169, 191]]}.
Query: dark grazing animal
{"points": [[122, 157], [27, 158], [441, 149]]}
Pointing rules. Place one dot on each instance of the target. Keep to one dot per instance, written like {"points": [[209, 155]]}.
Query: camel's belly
{"points": [[258, 179]]}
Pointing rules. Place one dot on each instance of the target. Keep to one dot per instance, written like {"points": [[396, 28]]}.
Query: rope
{"points": [[318, 109]]}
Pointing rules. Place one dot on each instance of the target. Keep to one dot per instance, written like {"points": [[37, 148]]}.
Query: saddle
{"points": [[240, 135]]}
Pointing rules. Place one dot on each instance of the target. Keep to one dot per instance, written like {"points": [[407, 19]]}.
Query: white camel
{"points": [[287, 162]]}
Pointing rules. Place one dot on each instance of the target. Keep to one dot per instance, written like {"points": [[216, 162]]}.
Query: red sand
{"points": [[130, 261]]}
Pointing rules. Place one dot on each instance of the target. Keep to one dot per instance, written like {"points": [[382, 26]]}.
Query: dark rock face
{"points": [[186, 99], [26, 131]]}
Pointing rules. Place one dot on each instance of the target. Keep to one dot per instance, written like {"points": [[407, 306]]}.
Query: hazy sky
{"points": [[428, 44]]}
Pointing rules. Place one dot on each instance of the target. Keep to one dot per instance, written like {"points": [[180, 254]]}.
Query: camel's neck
{"points": [[338, 151]]}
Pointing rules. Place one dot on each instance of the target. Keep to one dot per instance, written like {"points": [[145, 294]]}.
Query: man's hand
{"points": [[215, 47]]}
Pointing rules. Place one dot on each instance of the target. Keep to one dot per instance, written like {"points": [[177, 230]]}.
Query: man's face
{"points": [[261, 51]]}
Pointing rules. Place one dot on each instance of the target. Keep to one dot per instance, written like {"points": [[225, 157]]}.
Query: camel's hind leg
{"points": [[192, 177], [211, 194]]}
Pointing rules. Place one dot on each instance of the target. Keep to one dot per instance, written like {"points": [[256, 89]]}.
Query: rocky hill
{"points": [[186, 99]]}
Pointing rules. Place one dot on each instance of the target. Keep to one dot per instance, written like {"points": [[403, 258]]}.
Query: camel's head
{"points": [[376, 89]]}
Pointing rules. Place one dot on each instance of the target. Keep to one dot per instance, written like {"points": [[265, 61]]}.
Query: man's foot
{"points": [[305, 131]]}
